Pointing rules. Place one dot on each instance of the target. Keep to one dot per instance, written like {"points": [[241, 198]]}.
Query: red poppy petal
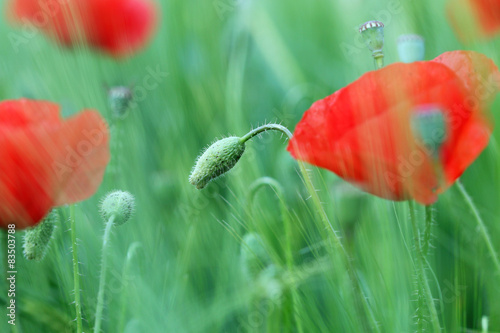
{"points": [[472, 19], [479, 74], [122, 26], [118, 27], [25, 112], [81, 156], [362, 132], [50, 163]]}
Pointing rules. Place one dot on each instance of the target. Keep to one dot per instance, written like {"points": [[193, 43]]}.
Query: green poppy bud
{"points": [[118, 204], [218, 159], [37, 239], [119, 100]]}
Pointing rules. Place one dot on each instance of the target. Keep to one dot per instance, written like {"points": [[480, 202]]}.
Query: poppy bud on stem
{"points": [[373, 35], [116, 208], [36, 239], [224, 154]]}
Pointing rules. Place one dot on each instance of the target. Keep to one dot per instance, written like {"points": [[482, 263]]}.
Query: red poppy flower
{"points": [[46, 161], [364, 134], [474, 18], [118, 27]]}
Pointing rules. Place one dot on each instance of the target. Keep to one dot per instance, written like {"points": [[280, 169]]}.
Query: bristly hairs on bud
{"points": [[222, 155], [37, 239], [119, 205], [216, 160]]}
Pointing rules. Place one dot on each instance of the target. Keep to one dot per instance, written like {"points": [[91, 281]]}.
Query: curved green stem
{"points": [[102, 279], [276, 186], [421, 277], [480, 224], [130, 254], [427, 231], [323, 216], [265, 128], [76, 273]]}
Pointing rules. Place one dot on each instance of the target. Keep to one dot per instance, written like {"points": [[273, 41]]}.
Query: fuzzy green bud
{"points": [[218, 159], [120, 99], [411, 48], [37, 239], [118, 204], [254, 256], [428, 124], [373, 35]]}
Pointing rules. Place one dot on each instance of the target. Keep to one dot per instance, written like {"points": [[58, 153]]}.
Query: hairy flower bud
{"points": [[218, 159], [118, 204], [37, 239]]}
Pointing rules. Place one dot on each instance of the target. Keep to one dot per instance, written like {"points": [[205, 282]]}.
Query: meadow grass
{"points": [[176, 265]]}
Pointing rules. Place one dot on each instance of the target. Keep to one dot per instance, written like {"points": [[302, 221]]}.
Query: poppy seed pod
{"points": [[411, 48], [373, 35], [218, 159], [428, 124], [118, 204], [37, 239]]}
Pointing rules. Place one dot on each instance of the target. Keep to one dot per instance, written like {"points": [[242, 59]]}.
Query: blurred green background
{"points": [[227, 66]]}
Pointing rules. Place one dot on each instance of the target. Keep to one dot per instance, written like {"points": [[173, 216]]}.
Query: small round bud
{"points": [[218, 159], [37, 239], [373, 35], [119, 100], [118, 204], [254, 256], [428, 124], [411, 48]]}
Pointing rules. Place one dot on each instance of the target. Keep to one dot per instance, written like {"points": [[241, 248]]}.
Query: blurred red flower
{"points": [[363, 132], [117, 27], [474, 18], [46, 161]]}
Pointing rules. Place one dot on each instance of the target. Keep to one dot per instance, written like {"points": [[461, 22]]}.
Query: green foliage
{"points": [[223, 66]]}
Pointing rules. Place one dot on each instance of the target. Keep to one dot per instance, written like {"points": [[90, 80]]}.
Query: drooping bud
{"points": [[120, 99], [37, 239], [428, 124], [411, 48], [373, 35], [254, 256], [118, 204], [218, 159]]}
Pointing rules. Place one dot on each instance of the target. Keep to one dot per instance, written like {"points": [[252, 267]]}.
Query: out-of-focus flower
{"points": [[117, 27], [472, 19], [47, 161], [369, 132]]}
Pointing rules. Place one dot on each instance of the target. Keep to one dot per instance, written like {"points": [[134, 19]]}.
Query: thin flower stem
{"points": [[265, 128], [278, 189], [102, 279], [125, 277], [427, 231], [421, 277], [480, 223], [76, 273], [324, 218]]}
